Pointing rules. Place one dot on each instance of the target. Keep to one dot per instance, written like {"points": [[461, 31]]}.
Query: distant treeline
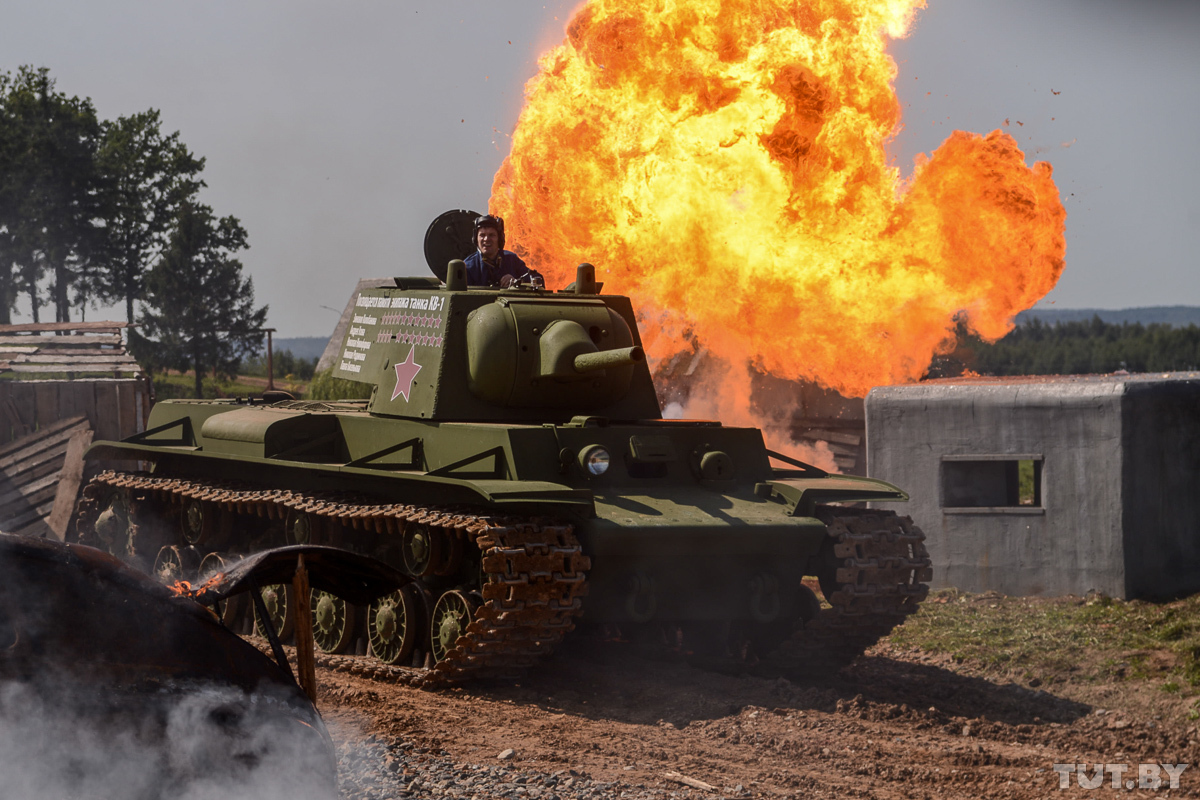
{"points": [[1178, 316], [284, 365], [1070, 348]]}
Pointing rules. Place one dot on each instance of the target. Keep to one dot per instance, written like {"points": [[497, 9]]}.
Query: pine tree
{"points": [[198, 312], [49, 188], [9, 193], [147, 178]]}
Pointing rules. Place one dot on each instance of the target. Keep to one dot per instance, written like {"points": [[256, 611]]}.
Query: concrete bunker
{"points": [[1049, 485]]}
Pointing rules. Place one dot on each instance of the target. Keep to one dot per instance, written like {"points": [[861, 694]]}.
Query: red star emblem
{"points": [[406, 371]]}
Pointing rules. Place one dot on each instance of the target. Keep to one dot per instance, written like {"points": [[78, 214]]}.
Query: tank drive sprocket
{"points": [[873, 576], [532, 570]]}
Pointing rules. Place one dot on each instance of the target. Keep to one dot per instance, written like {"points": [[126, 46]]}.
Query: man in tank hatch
{"points": [[491, 264]]}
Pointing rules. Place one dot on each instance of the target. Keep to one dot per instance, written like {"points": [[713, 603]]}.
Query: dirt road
{"points": [[601, 720]]}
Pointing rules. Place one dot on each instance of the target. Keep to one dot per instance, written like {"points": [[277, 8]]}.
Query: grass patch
{"points": [[174, 387], [1091, 639], [325, 386]]}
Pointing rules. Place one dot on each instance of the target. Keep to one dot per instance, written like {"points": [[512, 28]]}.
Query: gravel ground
{"points": [[607, 723], [378, 768]]}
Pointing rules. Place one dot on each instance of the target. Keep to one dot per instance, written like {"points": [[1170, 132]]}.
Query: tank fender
{"points": [[536, 496], [803, 495], [268, 432]]}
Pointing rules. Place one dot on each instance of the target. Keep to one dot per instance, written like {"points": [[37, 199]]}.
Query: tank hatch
{"points": [[447, 238]]}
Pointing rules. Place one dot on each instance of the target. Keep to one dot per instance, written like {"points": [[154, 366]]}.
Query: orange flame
{"points": [[185, 588], [723, 162]]}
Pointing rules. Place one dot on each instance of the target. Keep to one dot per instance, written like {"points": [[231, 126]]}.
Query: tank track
{"points": [[881, 566], [534, 571]]}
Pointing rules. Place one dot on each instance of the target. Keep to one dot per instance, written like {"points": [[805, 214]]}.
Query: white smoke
{"points": [[206, 743]]}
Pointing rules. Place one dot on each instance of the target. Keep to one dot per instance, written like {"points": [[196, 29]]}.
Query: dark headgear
{"points": [[489, 221]]}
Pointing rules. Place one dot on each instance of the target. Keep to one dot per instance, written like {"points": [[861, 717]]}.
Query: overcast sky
{"points": [[337, 132]]}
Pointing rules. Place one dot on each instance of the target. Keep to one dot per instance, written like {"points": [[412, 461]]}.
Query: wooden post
{"points": [[270, 362], [306, 667]]}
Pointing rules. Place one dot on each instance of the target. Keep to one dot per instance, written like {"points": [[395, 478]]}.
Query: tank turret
{"points": [[526, 353]]}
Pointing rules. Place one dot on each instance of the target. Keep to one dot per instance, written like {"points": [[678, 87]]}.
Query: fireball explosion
{"points": [[724, 163]]}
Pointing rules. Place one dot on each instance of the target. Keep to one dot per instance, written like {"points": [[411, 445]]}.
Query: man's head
{"points": [[489, 235]]}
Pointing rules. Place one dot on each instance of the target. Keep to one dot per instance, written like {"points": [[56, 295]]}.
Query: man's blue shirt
{"points": [[481, 274]]}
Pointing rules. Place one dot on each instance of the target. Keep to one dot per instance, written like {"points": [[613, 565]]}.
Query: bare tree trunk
{"points": [[29, 274], [8, 286], [199, 375], [7, 297], [62, 306]]}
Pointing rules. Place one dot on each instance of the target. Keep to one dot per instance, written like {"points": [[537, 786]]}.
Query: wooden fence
{"points": [[40, 476], [61, 384], [115, 407], [52, 371]]}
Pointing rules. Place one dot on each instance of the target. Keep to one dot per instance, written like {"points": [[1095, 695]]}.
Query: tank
{"points": [[514, 461]]}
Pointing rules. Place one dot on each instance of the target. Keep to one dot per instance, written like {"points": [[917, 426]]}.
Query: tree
{"points": [[198, 312], [8, 201], [50, 187], [147, 177]]}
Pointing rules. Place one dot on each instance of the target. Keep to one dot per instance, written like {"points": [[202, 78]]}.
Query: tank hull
{"points": [[661, 545]]}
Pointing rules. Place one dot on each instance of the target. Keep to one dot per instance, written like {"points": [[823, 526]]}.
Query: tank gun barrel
{"points": [[621, 357]]}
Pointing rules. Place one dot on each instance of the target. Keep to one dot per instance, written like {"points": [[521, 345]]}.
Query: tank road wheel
{"points": [[775, 615], [176, 563], [277, 600], [452, 614], [197, 521], [333, 622], [769, 626], [233, 610], [421, 548], [394, 625], [299, 528], [215, 564]]}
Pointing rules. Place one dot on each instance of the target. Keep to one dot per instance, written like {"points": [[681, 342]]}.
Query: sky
{"points": [[337, 132]]}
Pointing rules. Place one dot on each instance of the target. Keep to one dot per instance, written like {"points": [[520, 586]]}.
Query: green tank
{"points": [[513, 459]]}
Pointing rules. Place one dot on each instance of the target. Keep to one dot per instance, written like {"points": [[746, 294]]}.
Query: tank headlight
{"points": [[594, 460]]}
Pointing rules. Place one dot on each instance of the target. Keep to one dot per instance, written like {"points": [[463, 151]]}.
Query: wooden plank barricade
{"points": [[61, 384]]}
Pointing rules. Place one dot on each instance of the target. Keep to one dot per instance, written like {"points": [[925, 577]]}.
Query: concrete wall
{"points": [[1120, 481]]}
